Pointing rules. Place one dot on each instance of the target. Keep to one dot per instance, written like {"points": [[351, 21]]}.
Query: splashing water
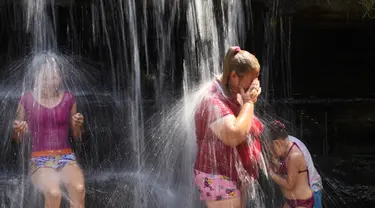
{"points": [[159, 173], [102, 146], [127, 161], [40, 26], [97, 134], [204, 51], [173, 140]]}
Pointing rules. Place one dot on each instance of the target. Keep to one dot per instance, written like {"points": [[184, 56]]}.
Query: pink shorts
{"points": [[215, 187]]}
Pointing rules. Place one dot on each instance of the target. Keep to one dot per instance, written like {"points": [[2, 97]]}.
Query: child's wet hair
{"points": [[43, 59], [46, 58], [277, 130]]}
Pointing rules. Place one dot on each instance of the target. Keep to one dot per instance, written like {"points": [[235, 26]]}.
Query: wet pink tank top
{"points": [[49, 127]]}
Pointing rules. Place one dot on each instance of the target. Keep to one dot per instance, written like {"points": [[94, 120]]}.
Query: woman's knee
{"points": [[47, 182], [76, 188], [52, 194], [72, 178], [79, 188]]}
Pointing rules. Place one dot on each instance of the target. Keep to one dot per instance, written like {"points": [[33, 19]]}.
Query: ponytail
{"points": [[227, 70]]}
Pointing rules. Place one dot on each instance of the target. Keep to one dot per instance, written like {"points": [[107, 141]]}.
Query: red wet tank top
{"points": [[213, 156]]}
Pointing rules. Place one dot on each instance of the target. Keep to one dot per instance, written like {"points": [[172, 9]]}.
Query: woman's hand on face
{"points": [[77, 120], [251, 95], [20, 126]]}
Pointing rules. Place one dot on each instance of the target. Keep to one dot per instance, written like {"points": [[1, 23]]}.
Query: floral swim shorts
{"points": [[215, 187], [55, 161]]}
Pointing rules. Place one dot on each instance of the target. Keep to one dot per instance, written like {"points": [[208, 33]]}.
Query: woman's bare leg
{"points": [[72, 177], [227, 203], [48, 182]]}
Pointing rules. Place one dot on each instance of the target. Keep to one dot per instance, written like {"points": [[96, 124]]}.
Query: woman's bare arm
{"points": [[20, 113], [233, 131], [77, 131], [20, 116]]}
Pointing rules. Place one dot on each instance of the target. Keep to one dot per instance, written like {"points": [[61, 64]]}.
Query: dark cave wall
{"points": [[328, 59], [335, 61], [332, 61]]}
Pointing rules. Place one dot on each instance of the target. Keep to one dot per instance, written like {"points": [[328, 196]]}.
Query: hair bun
{"points": [[278, 125], [277, 130], [237, 50]]}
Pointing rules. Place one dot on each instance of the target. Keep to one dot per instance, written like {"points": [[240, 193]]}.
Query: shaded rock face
{"points": [[352, 9]]}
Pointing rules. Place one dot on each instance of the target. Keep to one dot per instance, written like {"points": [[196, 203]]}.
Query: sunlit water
{"points": [[137, 153]]}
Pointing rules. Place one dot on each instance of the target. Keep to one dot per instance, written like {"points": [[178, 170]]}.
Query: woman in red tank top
{"points": [[48, 114], [227, 131]]}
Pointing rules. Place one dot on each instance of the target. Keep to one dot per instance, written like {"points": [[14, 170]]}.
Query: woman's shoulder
{"points": [[215, 102], [70, 96], [297, 157], [26, 97], [26, 94]]}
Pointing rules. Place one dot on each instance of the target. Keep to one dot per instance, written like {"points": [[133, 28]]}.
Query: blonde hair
{"points": [[239, 61]]}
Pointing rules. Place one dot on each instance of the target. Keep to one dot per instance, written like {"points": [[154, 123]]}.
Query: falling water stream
{"points": [[149, 64]]}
